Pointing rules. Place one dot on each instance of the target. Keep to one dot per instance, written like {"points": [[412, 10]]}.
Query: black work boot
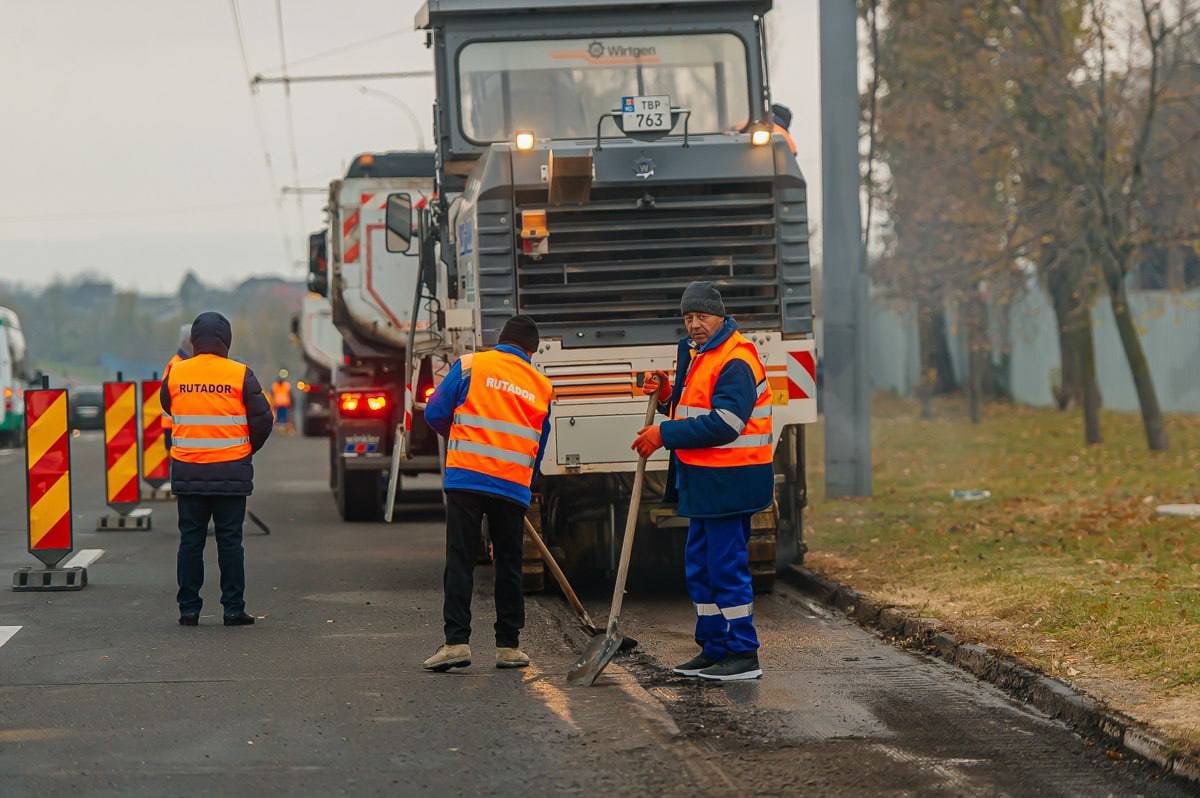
{"points": [[239, 620], [734, 668], [694, 665], [189, 620]]}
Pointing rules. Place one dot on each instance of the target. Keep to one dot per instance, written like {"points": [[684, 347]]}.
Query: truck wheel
{"points": [[533, 569], [357, 494], [763, 533]]}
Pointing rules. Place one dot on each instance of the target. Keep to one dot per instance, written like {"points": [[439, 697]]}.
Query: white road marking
{"points": [[7, 632], [83, 558]]}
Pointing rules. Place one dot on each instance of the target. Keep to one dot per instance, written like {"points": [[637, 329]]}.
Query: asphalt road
{"points": [[102, 693]]}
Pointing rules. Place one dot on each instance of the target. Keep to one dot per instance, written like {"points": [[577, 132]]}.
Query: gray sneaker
{"points": [[694, 665], [447, 657], [734, 668]]}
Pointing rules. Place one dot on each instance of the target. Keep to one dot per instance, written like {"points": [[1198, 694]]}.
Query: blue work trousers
{"points": [[227, 514], [717, 565]]}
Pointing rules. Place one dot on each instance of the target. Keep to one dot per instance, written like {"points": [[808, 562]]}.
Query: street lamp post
{"points": [[403, 106]]}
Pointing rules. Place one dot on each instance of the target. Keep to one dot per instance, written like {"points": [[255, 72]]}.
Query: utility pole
{"points": [[847, 381]]}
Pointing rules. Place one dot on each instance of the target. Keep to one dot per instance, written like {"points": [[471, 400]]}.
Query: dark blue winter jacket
{"points": [[439, 413], [701, 491], [235, 477]]}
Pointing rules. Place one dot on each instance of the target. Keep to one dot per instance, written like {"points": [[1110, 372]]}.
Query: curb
{"points": [[1052, 696]]}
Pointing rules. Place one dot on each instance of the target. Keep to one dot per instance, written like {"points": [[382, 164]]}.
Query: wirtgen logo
{"points": [[599, 49]]}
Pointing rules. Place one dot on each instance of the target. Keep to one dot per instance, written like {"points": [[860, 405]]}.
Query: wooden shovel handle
{"points": [[635, 501]]}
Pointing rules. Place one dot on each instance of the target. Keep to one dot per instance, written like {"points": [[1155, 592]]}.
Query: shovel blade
{"points": [[595, 659]]}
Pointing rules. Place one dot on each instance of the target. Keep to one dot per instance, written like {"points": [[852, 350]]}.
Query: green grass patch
{"points": [[1067, 564]]}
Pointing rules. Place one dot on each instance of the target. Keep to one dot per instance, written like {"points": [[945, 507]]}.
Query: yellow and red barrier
{"points": [[48, 475], [156, 467], [122, 491]]}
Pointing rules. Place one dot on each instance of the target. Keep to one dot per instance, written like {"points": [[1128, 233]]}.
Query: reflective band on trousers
{"points": [[497, 426], [740, 611], [208, 443], [215, 421], [708, 609], [471, 447]]}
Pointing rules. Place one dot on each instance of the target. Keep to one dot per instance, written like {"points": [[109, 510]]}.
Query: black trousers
{"points": [[227, 514], [464, 525]]}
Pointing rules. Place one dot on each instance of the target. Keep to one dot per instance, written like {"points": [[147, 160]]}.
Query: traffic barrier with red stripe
{"points": [[122, 491], [156, 467], [48, 475]]}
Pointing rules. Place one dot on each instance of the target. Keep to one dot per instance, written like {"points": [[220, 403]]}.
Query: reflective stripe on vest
{"points": [[209, 410], [167, 419], [754, 443], [497, 428]]}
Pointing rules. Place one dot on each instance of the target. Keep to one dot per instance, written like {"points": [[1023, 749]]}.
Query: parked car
{"points": [[87, 407]]}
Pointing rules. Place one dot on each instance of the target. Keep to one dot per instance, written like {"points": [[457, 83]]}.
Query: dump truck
{"points": [[321, 346], [370, 284], [12, 379], [594, 157]]}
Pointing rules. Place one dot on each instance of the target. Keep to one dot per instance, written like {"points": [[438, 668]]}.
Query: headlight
{"points": [[525, 140], [760, 137]]}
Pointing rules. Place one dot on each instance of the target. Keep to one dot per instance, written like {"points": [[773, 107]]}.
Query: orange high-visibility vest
{"points": [[783, 131], [281, 393], [166, 417], [753, 446], [497, 429], [209, 410]]}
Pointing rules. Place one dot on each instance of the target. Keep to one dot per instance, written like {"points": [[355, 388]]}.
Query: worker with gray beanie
{"points": [[493, 409], [721, 474]]}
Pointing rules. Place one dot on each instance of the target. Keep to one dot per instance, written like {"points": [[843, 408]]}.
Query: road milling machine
{"points": [[593, 158]]}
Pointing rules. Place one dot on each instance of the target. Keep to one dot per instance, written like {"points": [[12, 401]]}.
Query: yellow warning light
{"points": [[8, 393], [533, 224], [760, 137], [525, 140]]}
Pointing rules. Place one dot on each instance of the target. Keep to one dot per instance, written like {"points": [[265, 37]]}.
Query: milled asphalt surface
{"points": [[101, 693]]}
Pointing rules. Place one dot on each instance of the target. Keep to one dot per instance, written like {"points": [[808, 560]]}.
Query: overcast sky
{"points": [[129, 148]]}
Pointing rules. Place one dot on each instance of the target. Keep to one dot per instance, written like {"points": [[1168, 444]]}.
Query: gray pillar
{"points": [[847, 399]]}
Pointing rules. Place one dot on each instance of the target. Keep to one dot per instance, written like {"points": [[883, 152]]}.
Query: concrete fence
{"points": [[1170, 330]]}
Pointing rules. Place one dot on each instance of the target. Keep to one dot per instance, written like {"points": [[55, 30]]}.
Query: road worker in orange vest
{"points": [[182, 353], [493, 408], [721, 472], [221, 418], [281, 400], [781, 123]]}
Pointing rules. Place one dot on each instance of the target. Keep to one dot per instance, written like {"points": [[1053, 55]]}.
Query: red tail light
{"points": [[359, 404]]}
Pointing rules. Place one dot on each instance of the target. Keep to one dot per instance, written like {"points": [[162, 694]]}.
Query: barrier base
{"points": [[162, 494], [28, 579], [137, 519]]}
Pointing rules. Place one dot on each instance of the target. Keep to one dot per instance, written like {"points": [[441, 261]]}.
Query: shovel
{"points": [[585, 620], [602, 649]]}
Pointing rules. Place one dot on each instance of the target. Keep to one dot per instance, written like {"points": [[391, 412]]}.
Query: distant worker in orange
{"points": [[221, 419], [781, 123], [281, 400]]}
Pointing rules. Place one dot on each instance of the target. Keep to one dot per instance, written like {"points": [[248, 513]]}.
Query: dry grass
{"points": [[1066, 566]]}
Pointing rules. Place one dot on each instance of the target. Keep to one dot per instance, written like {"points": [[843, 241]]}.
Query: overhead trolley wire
{"points": [[276, 194], [287, 103]]}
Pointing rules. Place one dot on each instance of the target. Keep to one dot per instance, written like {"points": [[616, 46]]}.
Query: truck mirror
{"points": [[399, 222]]}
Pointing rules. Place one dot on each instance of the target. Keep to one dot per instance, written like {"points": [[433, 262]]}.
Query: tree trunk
{"points": [[928, 372], [1139, 366], [1085, 350], [1058, 283], [940, 360], [974, 317]]}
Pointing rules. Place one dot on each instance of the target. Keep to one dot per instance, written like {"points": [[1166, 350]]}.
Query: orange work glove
{"points": [[659, 383], [648, 441]]}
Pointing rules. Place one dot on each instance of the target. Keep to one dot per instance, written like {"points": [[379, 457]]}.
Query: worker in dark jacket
{"points": [[221, 418], [721, 473], [493, 408]]}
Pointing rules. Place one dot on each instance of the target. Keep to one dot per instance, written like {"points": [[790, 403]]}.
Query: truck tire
{"points": [[763, 533], [357, 495], [313, 427]]}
